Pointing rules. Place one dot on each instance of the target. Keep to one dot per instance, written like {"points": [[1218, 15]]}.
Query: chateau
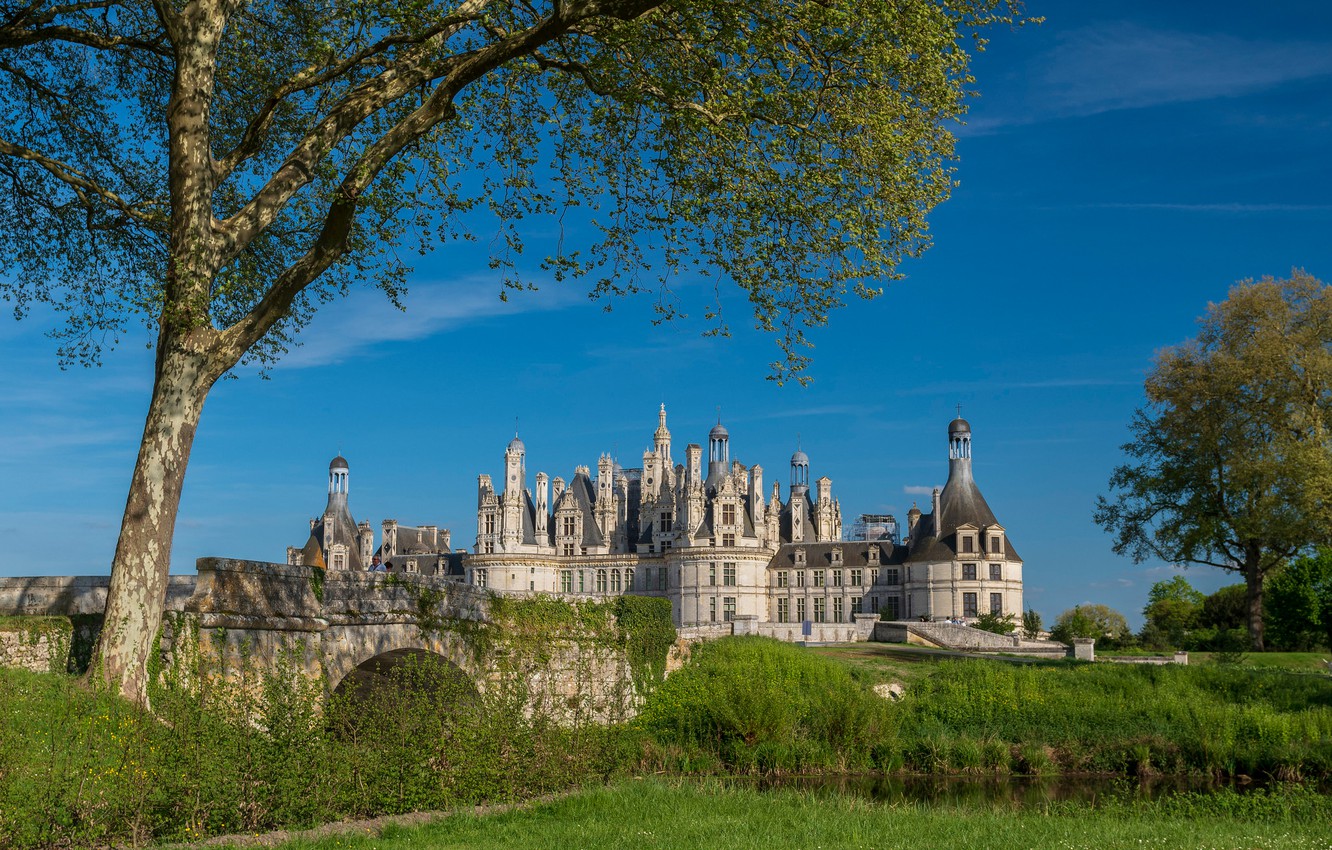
{"points": [[720, 545], [716, 541]]}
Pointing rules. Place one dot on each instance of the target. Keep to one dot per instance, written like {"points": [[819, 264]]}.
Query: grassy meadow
{"points": [[691, 816], [82, 768]]}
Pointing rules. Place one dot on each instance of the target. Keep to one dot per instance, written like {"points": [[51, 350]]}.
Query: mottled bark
{"points": [[135, 599]]}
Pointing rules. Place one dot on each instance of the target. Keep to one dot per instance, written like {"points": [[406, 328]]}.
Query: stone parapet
{"points": [[66, 596], [255, 589], [963, 639]]}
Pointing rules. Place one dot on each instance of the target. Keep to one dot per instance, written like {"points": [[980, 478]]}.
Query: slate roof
{"points": [[855, 553], [935, 538]]}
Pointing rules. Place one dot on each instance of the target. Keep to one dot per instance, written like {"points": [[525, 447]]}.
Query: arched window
{"points": [[615, 581], [629, 579], [601, 581]]}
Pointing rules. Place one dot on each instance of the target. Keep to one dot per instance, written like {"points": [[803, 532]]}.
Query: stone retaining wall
{"points": [[964, 639]]}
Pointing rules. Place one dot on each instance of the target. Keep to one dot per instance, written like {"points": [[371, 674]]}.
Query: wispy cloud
{"points": [[956, 387], [918, 490], [1115, 66], [365, 319], [1223, 208]]}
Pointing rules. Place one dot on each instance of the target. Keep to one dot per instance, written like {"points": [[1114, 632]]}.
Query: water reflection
{"points": [[994, 791]]}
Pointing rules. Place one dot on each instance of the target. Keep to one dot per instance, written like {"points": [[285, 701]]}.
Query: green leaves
{"points": [[1231, 459]]}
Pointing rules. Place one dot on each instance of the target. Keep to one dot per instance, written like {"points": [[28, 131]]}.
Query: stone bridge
{"points": [[347, 629]]}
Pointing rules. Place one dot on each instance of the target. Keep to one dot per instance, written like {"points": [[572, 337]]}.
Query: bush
{"points": [[764, 705]]}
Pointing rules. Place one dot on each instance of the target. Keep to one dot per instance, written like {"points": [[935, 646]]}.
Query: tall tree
{"points": [[217, 168], [1230, 462]]}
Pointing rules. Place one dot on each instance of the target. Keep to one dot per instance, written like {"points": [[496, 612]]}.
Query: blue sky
{"points": [[1125, 164]]}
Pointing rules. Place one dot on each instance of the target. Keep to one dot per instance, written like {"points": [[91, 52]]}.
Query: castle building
{"points": [[720, 548], [338, 542]]}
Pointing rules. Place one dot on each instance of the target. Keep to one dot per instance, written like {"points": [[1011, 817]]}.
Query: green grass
{"points": [[751, 705], [878, 662], [657, 814]]}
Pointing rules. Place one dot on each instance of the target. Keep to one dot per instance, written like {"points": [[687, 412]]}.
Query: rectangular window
{"points": [[874, 604], [783, 578], [490, 523], [569, 526], [728, 514], [728, 608], [479, 578], [800, 578], [857, 605], [994, 543], [490, 547], [783, 610], [820, 609], [968, 543], [996, 572], [728, 539], [712, 609], [818, 578], [968, 605], [893, 605], [582, 582], [857, 577], [968, 572], [567, 550], [837, 578], [566, 581], [800, 609], [666, 519], [712, 574], [874, 576], [661, 578], [996, 603], [728, 573], [839, 609]]}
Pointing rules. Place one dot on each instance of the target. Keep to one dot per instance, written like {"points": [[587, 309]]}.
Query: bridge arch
{"points": [[354, 655], [413, 669]]}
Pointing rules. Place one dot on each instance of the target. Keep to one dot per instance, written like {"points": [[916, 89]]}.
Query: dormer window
{"points": [[800, 557], [874, 554], [728, 513], [968, 544], [836, 555]]}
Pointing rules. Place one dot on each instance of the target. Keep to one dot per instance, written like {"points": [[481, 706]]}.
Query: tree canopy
{"points": [[1230, 464], [1301, 603], [1097, 621], [215, 169]]}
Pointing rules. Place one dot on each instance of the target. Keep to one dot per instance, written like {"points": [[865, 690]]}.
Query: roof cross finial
{"points": [[719, 414], [959, 411], [515, 427]]}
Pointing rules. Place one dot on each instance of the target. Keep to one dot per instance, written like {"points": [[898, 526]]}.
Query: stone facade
{"points": [[724, 549]]}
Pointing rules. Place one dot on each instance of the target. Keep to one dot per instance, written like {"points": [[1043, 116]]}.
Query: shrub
{"points": [[765, 705]]}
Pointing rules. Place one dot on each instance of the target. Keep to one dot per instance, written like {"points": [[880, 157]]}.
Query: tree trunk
{"points": [[137, 595], [1253, 584]]}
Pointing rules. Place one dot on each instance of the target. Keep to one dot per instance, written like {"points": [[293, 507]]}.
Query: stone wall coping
{"points": [[239, 565]]}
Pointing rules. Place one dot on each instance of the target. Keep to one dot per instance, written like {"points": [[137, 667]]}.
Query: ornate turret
{"points": [[719, 454], [661, 440], [799, 473]]}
